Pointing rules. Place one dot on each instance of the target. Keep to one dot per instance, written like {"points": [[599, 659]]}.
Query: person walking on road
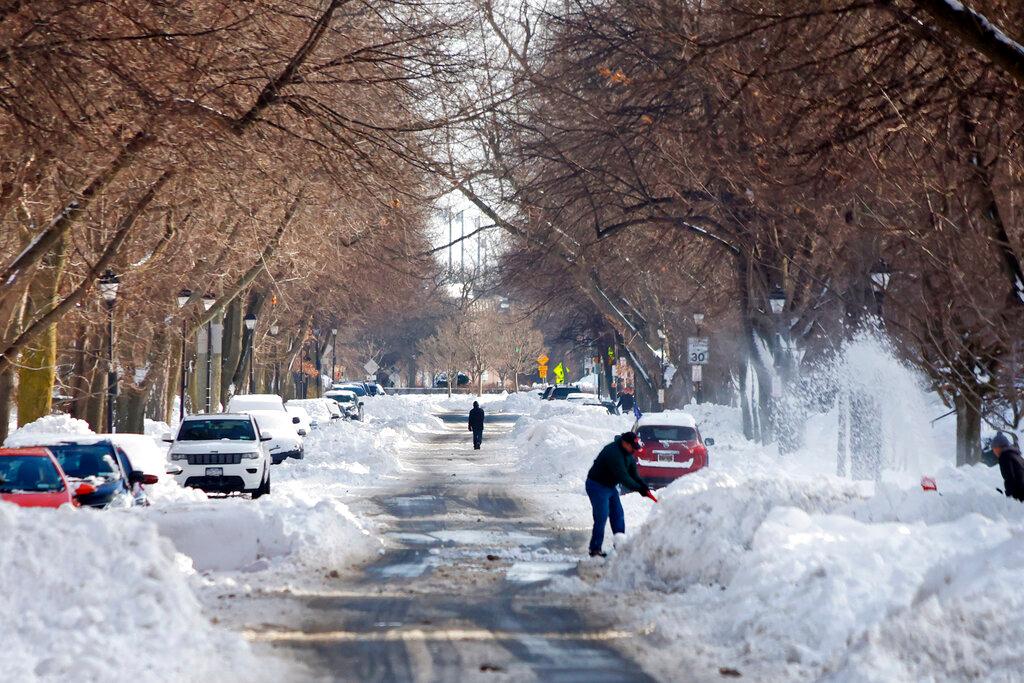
{"points": [[625, 403], [476, 425], [1011, 466], [614, 466]]}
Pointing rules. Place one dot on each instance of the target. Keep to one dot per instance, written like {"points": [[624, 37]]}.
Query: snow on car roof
{"points": [[669, 418], [339, 392]]}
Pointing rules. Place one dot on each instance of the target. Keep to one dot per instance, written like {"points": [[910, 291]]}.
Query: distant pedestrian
{"points": [[476, 425], [1011, 466], [625, 403], [614, 466]]}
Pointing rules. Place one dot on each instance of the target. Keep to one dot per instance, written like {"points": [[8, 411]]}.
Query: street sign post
{"points": [[697, 350]]}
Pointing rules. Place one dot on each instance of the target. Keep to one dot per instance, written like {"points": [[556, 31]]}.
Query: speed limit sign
{"points": [[697, 350]]}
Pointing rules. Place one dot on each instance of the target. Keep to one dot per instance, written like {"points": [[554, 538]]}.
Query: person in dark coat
{"points": [[614, 466], [625, 403], [476, 425], [1011, 466]]}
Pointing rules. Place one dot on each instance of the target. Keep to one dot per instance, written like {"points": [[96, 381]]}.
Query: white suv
{"points": [[221, 454]]}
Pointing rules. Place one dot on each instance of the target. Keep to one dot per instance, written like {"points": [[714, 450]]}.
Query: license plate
{"points": [[215, 471], [664, 457]]}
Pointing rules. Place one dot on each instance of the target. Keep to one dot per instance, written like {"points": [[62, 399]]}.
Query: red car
{"points": [[672, 447], [32, 478]]}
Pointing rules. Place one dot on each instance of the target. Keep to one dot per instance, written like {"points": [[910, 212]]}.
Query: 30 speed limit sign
{"points": [[697, 350]]}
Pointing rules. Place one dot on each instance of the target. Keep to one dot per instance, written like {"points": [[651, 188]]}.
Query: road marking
{"points": [[419, 635]]}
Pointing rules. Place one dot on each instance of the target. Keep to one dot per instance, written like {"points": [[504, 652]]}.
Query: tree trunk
{"points": [[131, 408], [6, 393], [234, 341], [173, 387], [968, 430], [96, 406], [217, 360], [37, 368]]}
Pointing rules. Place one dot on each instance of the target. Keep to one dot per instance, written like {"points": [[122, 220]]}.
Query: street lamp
{"points": [[183, 298], [208, 301], [880, 276], [250, 325], [108, 284], [777, 299]]}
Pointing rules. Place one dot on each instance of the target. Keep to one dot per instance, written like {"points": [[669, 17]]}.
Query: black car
{"points": [[441, 381], [104, 465], [560, 393]]}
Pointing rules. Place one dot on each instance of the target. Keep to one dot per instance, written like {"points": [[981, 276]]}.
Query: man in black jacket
{"points": [[476, 425], [1011, 466], [613, 466]]}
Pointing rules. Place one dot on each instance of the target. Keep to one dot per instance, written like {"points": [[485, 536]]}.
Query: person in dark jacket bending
{"points": [[1011, 466], [614, 465], [476, 425]]}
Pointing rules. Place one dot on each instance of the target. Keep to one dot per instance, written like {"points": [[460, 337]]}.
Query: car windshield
{"points": [[215, 430], [29, 473], [663, 434], [86, 461], [342, 398]]}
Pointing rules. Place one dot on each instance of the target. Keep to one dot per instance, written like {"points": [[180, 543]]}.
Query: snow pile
{"points": [[238, 534], [47, 426], [821, 576], [100, 593], [705, 524], [557, 441]]}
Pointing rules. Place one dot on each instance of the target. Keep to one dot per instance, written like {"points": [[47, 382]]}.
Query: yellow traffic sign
{"points": [[542, 359], [542, 370]]}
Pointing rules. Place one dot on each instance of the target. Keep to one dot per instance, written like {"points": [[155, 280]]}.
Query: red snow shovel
{"points": [[650, 494]]}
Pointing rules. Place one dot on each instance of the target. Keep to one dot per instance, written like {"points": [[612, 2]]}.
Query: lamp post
{"points": [[777, 300], [183, 298], [208, 301], [880, 276], [250, 325], [274, 329], [334, 353], [108, 285]]}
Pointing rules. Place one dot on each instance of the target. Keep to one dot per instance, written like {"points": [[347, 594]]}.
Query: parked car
{"points": [[546, 391], [32, 477], [377, 389], [223, 453], [355, 387], [321, 411], [348, 401], [243, 403], [561, 393], [305, 423], [96, 460], [285, 441], [672, 447], [441, 380]]}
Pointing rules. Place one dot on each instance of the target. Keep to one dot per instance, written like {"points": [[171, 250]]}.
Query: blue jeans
{"points": [[606, 504]]}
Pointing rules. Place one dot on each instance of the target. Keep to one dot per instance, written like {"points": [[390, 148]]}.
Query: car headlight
{"points": [[250, 456], [179, 456]]}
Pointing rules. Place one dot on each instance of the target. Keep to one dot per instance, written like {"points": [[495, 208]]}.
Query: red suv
{"points": [[32, 477], [672, 447]]}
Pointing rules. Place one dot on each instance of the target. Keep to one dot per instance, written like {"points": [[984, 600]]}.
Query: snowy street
{"points": [[458, 594]]}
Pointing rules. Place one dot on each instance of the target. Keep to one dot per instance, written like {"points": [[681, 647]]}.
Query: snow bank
{"points": [[243, 535], [820, 576], [48, 425], [89, 595]]}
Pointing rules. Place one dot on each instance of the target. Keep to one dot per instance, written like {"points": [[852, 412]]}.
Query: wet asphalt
{"points": [[459, 594]]}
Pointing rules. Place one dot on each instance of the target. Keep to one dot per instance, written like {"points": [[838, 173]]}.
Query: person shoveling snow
{"points": [[1011, 466], [614, 466]]}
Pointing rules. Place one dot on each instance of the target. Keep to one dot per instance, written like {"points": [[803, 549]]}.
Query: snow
{"points": [[48, 426], [668, 418], [100, 595]]}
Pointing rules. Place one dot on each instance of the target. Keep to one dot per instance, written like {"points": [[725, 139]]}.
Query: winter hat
{"points": [[1000, 440], [476, 404], [631, 438]]}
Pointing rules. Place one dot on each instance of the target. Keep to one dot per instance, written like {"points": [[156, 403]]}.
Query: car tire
{"points": [[264, 488]]}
